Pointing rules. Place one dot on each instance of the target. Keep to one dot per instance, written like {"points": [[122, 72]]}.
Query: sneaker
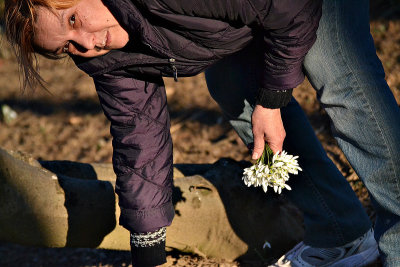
{"points": [[360, 252]]}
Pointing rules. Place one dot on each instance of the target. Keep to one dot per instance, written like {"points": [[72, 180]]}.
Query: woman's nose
{"points": [[84, 41]]}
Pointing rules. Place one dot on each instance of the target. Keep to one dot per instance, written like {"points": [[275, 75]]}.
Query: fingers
{"points": [[267, 127], [258, 145], [275, 139], [277, 145]]}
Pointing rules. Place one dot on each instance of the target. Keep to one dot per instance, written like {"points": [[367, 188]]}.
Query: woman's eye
{"points": [[66, 48], [72, 20]]}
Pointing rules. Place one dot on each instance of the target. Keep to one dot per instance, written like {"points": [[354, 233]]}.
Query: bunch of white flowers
{"points": [[271, 170]]}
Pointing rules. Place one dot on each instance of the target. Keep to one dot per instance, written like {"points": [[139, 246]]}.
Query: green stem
{"points": [[267, 154], [270, 154], [261, 159]]}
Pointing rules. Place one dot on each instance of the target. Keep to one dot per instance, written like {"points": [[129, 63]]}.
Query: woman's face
{"points": [[87, 29]]}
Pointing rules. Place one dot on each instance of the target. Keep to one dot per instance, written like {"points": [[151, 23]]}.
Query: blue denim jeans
{"points": [[349, 79]]}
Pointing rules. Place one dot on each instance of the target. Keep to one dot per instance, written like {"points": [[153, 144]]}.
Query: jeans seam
{"points": [[334, 223], [371, 113], [322, 201]]}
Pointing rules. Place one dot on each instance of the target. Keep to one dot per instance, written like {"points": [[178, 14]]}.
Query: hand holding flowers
{"points": [[271, 170]]}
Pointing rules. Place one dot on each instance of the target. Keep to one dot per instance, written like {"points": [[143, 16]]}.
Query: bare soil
{"points": [[67, 123]]}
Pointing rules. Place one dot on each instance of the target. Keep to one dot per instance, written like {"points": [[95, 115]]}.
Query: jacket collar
{"points": [[139, 30], [128, 16], [132, 21]]}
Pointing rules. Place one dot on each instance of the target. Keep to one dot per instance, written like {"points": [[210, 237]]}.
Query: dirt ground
{"points": [[67, 123]]}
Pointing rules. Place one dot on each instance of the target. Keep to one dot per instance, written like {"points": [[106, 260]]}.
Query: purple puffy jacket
{"points": [[182, 38]]}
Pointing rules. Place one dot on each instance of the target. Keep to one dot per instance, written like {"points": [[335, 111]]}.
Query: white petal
{"points": [[265, 188]]}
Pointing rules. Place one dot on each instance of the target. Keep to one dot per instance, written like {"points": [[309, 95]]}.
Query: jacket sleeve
{"points": [[289, 28], [290, 31], [142, 155]]}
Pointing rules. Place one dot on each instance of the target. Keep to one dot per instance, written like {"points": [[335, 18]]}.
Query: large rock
{"points": [[70, 204]]}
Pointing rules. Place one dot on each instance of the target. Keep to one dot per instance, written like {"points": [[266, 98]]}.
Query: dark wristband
{"points": [[273, 98]]}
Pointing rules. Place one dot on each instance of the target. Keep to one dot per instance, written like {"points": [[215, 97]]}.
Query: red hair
{"points": [[19, 18]]}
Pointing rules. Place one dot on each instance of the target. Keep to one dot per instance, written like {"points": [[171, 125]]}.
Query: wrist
{"points": [[273, 98]]}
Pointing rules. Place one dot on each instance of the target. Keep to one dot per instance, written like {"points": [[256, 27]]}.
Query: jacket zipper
{"points": [[171, 60], [174, 69]]}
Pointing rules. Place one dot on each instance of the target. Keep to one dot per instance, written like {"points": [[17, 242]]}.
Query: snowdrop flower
{"points": [[271, 171]]}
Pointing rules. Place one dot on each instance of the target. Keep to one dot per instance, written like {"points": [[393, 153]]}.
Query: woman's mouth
{"points": [[107, 41]]}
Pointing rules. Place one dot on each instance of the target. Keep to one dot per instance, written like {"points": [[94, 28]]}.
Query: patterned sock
{"points": [[148, 249]]}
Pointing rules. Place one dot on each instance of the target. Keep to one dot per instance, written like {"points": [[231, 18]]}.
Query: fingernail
{"points": [[255, 156]]}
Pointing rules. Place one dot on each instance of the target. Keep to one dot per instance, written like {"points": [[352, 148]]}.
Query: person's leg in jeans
{"points": [[344, 69], [333, 214]]}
